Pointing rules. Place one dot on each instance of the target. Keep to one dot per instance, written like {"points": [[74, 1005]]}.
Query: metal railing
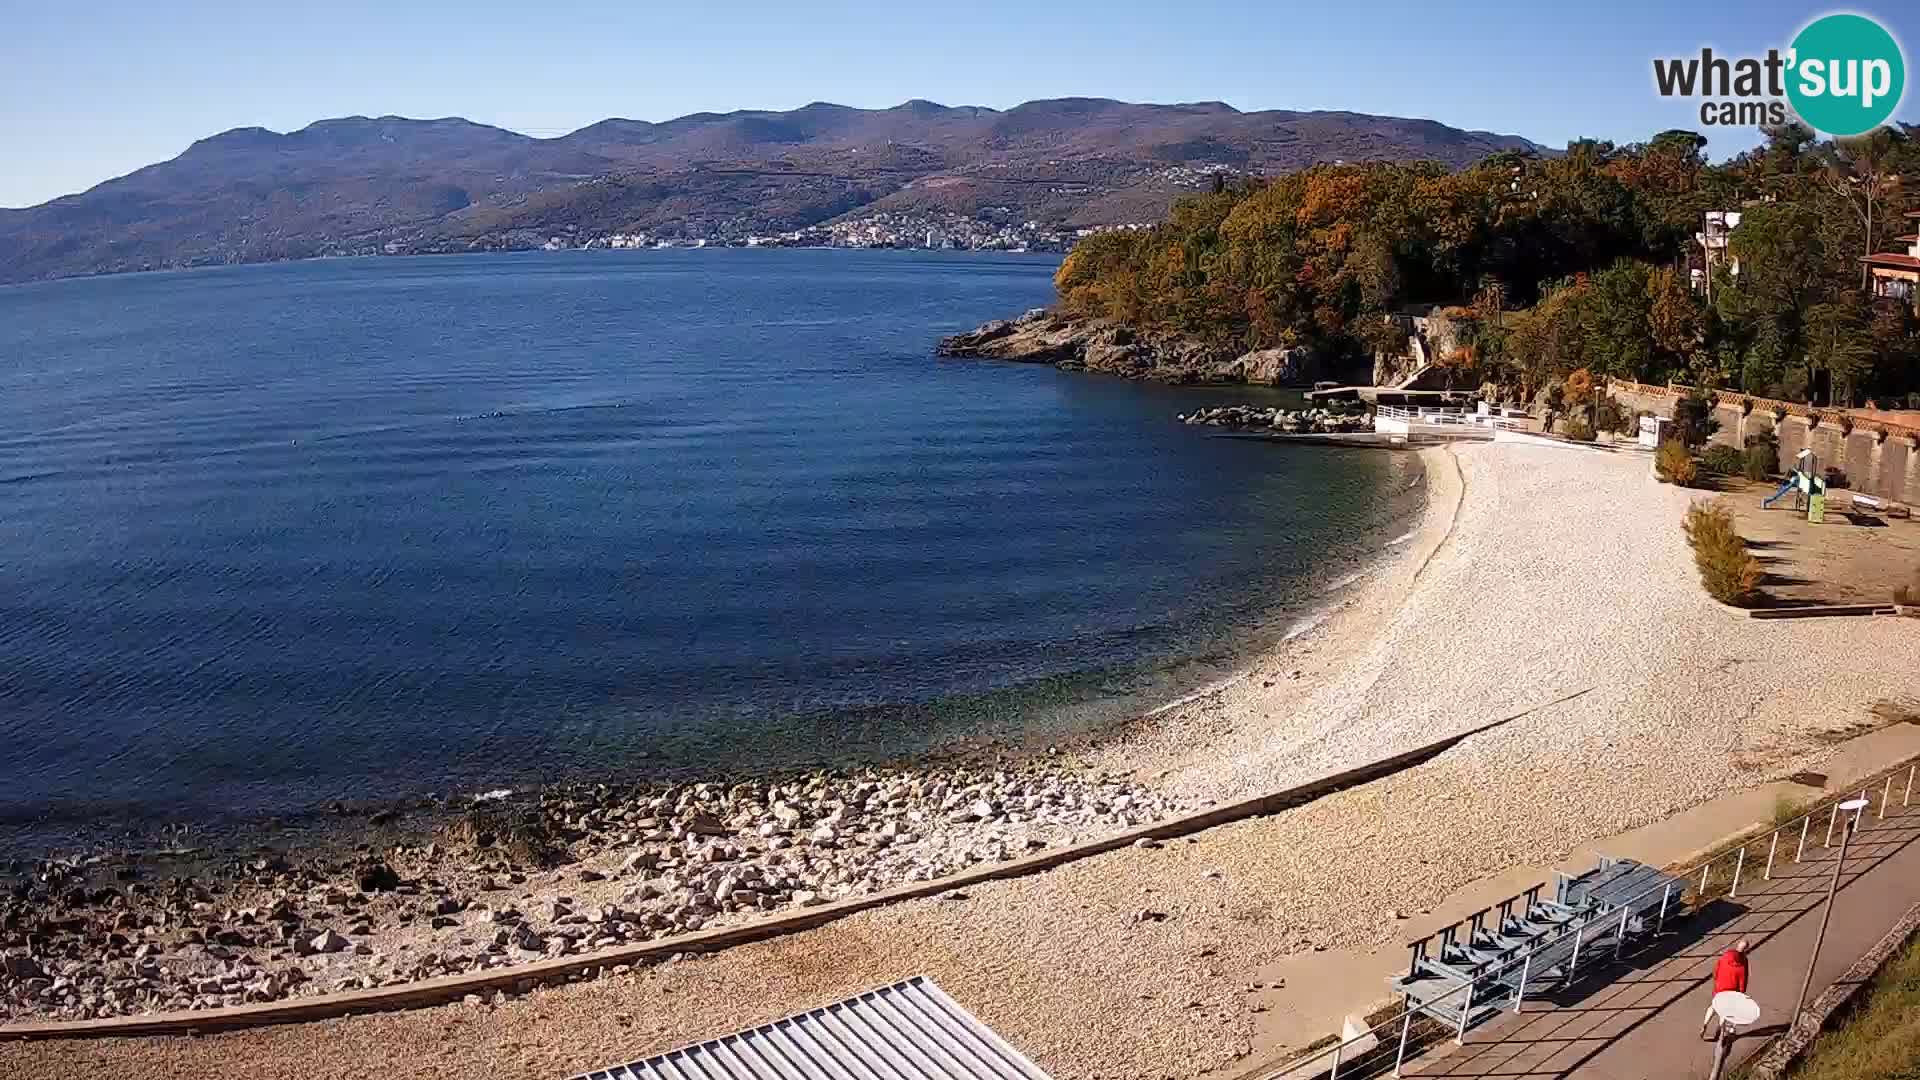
{"points": [[1395, 419], [1424, 415], [1383, 1049]]}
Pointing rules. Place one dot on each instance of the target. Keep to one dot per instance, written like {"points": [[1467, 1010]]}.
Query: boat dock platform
{"points": [[1377, 440]]}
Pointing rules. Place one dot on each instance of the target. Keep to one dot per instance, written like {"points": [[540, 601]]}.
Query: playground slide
{"points": [[1796, 479], [1792, 481]]}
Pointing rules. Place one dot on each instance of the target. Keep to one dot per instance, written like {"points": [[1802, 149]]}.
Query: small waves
{"points": [[369, 536], [1339, 583], [1306, 625]]}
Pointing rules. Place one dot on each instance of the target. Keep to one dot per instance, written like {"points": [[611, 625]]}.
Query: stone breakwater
{"points": [[509, 881], [1045, 337], [1283, 421]]}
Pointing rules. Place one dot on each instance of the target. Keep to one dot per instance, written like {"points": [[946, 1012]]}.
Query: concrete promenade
{"points": [[1641, 1021]]}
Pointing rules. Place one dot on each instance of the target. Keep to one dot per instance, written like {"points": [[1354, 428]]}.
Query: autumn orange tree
{"points": [[1569, 262]]}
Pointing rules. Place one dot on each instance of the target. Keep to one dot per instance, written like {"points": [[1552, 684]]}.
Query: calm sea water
{"points": [[273, 536]]}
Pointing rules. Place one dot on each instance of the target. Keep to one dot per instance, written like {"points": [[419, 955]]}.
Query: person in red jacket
{"points": [[1729, 974]]}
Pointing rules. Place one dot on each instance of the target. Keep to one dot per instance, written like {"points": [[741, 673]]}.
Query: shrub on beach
{"points": [[1673, 464], [1724, 460], [1609, 416], [1579, 430], [1693, 419], [1729, 572], [1763, 455]]}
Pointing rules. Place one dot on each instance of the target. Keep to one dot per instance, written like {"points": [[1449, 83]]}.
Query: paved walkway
{"points": [[1642, 1021]]}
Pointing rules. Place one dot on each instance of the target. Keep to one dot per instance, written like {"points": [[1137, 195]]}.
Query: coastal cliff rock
{"points": [[1272, 367], [1430, 337], [1045, 337], [1038, 337]]}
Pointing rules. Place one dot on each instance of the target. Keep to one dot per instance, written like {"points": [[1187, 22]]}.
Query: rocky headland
{"points": [[1042, 336]]}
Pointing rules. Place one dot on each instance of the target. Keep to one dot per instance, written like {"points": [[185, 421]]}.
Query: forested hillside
{"points": [[1545, 266]]}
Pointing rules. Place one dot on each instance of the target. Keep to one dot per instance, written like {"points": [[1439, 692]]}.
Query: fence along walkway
{"points": [[1792, 854]]}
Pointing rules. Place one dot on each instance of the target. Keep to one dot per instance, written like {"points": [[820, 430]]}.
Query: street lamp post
{"points": [[1851, 806]]}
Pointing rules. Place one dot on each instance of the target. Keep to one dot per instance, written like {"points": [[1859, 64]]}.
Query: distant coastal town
{"points": [[993, 232], [990, 228], [996, 229]]}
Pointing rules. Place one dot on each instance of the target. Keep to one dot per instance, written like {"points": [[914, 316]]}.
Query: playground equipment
{"points": [[1807, 485]]}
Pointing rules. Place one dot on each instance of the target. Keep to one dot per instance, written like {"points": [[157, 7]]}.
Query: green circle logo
{"points": [[1847, 74]]}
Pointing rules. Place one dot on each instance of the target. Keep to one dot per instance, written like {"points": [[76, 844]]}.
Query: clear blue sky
{"points": [[90, 90]]}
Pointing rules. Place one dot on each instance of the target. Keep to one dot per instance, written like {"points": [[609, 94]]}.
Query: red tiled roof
{"points": [[1910, 238], [1888, 258]]}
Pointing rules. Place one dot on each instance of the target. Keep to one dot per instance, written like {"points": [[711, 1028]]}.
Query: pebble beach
{"points": [[1549, 588]]}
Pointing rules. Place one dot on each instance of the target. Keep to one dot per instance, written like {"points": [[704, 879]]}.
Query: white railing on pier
{"points": [[1396, 420]]}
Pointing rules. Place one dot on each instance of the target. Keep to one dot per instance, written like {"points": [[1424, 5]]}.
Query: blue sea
{"points": [[275, 536]]}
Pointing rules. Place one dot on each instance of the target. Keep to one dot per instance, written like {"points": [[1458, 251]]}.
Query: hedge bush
{"points": [[1609, 416], [1673, 464], [1579, 430], [1763, 455], [1724, 460], [1729, 572], [1693, 419]]}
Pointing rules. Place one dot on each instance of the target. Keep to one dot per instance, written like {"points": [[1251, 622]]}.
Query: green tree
{"points": [[1674, 317], [1569, 262], [1782, 270], [1839, 342], [1860, 174], [1615, 322]]}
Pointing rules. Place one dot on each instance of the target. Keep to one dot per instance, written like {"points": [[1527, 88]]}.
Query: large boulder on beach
{"points": [[326, 941], [374, 875], [21, 967]]}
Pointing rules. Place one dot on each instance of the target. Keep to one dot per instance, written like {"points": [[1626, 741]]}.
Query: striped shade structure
{"points": [[908, 1031]]}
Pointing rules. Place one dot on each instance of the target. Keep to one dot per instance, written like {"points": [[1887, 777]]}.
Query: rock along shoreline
{"points": [[1042, 336], [508, 879]]}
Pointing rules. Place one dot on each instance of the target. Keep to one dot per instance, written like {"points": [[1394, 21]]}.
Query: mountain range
{"points": [[362, 186]]}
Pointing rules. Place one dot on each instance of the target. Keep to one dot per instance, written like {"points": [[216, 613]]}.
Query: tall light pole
{"points": [[1852, 807]]}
